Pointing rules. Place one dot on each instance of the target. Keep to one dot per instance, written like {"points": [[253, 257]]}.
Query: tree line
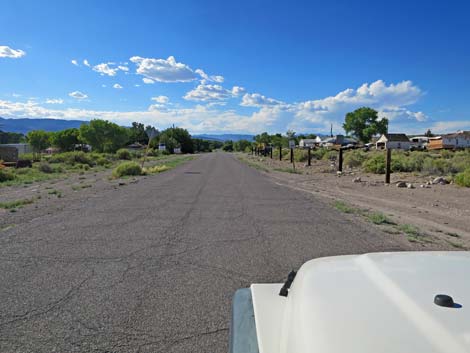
{"points": [[107, 137]]}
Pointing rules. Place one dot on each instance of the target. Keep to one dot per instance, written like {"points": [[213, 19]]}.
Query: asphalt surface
{"points": [[152, 266]]}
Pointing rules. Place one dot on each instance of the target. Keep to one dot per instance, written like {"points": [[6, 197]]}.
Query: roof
{"points": [[375, 303], [465, 134], [393, 138]]}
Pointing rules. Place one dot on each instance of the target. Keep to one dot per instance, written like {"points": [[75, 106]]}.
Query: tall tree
{"points": [[364, 123], [104, 136], [181, 136], [39, 140], [137, 133], [66, 139]]}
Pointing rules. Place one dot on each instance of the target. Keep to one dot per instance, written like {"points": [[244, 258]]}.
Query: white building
{"points": [[305, 143], [21, 147], [393, 141], [460, 139]]}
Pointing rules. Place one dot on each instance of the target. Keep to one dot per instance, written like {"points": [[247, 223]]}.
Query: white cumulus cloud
{"points": [[206, 78], [78, 95], [74, 62], [105, 69], [163, 70], [7, 52], [258, 100], [86, 63], [148, 81], [390, 101], [161, 99], [54, 101], [208, 93], [117, 86]]}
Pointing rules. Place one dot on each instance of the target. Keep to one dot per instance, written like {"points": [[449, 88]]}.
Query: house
{"points": [[306, 143], [393, 141], [460, 139], [340, 140]]}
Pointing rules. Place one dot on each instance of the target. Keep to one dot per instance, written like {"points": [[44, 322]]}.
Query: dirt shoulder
{"points": [[35, 200], [440, 214]]}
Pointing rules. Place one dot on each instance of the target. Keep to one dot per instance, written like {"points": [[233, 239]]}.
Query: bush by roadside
{"points": [[127, 169], [123, 154], [6, 175], [463, 178]]}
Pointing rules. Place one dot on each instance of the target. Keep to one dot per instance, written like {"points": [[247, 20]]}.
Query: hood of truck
{"points": [[381, 302]]}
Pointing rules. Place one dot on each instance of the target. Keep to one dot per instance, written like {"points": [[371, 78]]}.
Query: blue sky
{"points": [[240, 67]]}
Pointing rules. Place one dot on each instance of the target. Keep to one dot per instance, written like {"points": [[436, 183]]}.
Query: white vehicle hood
{"points": [[381, 302]]}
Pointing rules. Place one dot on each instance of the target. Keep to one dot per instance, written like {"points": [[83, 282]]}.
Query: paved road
{"points": [[152, 266]]}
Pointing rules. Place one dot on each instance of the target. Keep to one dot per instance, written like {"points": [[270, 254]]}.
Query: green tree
{"points": [[11, 137], [104, 136], [137, 133], [66, 139], [181, 136], [242, 145], [363, 123], [169, 141], [429, 133], [228, 146], [39, 140], [263, 138]]}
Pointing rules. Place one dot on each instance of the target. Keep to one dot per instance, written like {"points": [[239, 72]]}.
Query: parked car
{"points": [[393, 302]]}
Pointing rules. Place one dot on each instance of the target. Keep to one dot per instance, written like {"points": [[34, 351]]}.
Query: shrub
{"points": [[463, 178], [102, 161], [300, 155], [72, 158], [45, 168], [6, 175], [330, 155], [354, 159], [127, 168], [156, 169], [123, 154], [153, 153], [318, 153], [375, 164]]}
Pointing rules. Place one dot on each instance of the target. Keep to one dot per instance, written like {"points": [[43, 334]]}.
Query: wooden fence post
{"points": [[292, 155], [388, 162], [309, 156], [280, 153], [340, 162]]}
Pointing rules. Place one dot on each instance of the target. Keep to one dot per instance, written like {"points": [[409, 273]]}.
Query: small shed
{"points": [[8, 153], [393, 141]]}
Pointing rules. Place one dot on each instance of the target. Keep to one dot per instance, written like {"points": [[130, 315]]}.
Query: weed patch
{"points": [[343, 207], [11, 205]]}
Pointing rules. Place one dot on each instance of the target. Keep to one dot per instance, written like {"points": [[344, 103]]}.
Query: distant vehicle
{"points": [[394, 302], [349, 146], [419, 143], [368, 146]]}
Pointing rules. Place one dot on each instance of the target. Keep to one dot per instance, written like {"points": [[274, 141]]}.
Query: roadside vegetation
{"points": [[68, 151]]}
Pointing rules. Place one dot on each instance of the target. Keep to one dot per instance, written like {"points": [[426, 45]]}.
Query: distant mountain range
{"points": [[22, 126], [224, 137]]}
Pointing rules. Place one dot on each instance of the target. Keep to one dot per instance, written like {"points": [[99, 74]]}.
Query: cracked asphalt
{"points": [[152, 266]]}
